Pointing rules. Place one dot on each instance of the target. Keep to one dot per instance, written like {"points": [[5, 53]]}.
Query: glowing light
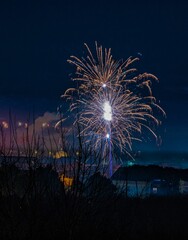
{"points": [[66, 180], [104, 85], [19, 124], [60, 154], [107, 111], [107, 135], [5, 124], [45, 124]]}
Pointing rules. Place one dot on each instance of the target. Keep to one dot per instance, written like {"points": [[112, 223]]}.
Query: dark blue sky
{"points": [[37, 37]]}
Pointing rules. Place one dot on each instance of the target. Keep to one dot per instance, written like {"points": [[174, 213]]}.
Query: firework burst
{"points": [[111, 102]]}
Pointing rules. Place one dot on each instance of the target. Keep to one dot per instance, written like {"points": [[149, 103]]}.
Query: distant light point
{"points": [[107, 135]]}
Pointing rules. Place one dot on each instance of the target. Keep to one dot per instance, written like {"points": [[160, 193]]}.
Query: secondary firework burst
{"points": [[111, 102]]}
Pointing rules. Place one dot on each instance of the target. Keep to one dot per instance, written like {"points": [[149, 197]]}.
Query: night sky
{"points": [[37, 38]]}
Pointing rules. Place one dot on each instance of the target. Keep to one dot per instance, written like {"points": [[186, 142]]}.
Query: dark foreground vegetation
{"points": [[37, 200], [34, 204]]}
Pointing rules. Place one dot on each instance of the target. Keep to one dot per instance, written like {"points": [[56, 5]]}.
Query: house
{"points": [[143, 181]]}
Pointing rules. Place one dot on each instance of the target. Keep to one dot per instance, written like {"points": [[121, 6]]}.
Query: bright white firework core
{"points": [[104, 85], [108, 135], [107, 111]]}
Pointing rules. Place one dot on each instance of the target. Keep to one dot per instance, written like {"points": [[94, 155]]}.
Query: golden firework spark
{"points": [[111, 101]]}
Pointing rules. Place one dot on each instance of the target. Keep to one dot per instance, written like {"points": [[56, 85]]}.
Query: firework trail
{"points": [[111, 102]]}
